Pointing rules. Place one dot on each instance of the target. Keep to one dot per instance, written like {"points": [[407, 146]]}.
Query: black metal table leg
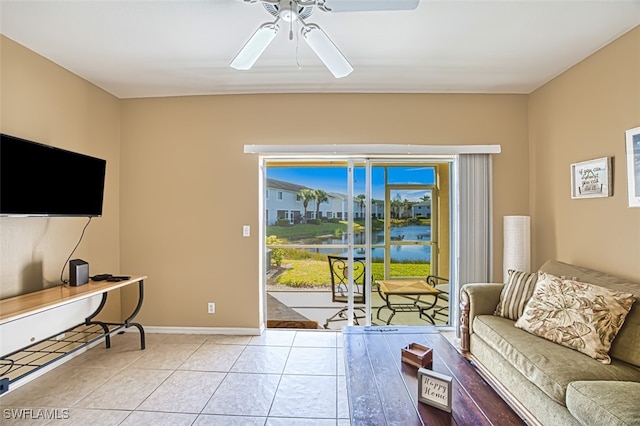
{"points": [[128, 323], [105, 327]]}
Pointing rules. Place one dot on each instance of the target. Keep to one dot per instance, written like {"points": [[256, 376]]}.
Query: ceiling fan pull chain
{"points": [[291, 21], [298, 45]]}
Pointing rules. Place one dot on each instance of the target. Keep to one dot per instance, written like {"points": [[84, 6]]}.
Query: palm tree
{"points": [[406, 208], [321, 197], [307, 195], [361, 198], [396, 206], [426, 198]]}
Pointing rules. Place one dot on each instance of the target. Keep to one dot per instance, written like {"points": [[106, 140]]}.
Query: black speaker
{"points": [[78, 272]]}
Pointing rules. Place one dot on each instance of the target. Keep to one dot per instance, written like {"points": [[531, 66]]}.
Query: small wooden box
{"points": [[417, 355]]}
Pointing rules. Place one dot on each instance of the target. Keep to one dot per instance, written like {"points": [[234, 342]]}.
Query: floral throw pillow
{"points": [[581, 316]]}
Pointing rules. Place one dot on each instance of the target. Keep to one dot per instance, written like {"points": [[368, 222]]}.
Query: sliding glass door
{"points": [[386, 212]]}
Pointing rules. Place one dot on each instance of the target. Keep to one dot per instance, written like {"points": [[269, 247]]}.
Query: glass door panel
{"points": [[311, 209], [400, 211], [409, 243], [309, 205]]}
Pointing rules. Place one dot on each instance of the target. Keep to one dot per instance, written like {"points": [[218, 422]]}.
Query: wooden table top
{"points": [[406, 287], [24, 305], [383, 390]]}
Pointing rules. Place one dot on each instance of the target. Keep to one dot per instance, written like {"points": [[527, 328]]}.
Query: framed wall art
{"points": [[633, 166], [591, 179]]}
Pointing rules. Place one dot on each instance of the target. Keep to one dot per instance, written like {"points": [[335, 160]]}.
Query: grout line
{"points": [[327, 343], [284, 367]]}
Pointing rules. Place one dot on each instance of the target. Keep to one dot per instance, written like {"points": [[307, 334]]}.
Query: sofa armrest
{"points": [[476, 299]]}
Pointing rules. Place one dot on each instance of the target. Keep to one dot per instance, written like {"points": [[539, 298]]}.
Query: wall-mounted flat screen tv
{"points": [[41, 180]]}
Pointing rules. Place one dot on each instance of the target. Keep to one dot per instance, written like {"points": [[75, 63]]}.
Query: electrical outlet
{"points": [[211, 308]]}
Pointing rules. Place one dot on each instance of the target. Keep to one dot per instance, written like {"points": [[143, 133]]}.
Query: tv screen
{"points": [[41, 180]]}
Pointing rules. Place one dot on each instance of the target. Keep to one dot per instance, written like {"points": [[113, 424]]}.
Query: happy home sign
{"points": [[434, 389]]}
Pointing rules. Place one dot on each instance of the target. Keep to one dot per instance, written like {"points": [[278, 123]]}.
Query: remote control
{"points": [[101, 277], [118, 278]]}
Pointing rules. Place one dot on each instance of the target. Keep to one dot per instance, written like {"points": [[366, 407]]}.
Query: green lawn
{"points": [[310, 273], [307, 269]]}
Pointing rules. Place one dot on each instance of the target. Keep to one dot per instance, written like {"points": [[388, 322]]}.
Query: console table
{"points": [[383, 390], [27, 360]]}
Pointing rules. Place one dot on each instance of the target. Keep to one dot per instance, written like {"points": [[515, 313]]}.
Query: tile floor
{"points": [[284, 377]]}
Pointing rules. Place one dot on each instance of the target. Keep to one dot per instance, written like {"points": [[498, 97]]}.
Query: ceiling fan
{"points": [[298, 10]]}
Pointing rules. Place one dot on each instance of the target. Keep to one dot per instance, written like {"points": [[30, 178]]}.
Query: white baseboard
{"points": [[237, 331]]}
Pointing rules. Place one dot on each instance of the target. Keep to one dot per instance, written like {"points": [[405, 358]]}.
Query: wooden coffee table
{"points": [[383, 390]]}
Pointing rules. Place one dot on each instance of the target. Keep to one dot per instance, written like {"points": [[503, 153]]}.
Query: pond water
{"points": [[399, 253]]}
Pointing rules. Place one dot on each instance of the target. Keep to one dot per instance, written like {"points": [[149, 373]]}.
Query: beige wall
{"points": [[188, 188], [578, 116], [42, 102]]}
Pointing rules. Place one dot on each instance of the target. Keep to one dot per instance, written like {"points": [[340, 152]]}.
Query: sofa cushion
{"points": [[530, 401], [581, 316], [551, 367], [596, 403], [625, 346], [516, 293]]}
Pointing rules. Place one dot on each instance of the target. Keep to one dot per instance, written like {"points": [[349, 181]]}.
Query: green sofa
{"points": [[547, 383]]}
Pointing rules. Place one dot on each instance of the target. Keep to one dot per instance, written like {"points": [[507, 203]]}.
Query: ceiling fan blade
{"points": [[367, 5], [328, 53], [251, 51]]}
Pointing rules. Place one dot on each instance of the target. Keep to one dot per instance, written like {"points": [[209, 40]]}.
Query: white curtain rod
{"points": [[371, 149]]}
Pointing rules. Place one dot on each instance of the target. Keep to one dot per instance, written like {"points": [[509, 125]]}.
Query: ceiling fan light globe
{"points": [[328, 53], [288, 14], [257, 44]]}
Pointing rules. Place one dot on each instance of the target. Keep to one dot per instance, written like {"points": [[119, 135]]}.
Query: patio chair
{"points": [[339, 269], [441, 284]]}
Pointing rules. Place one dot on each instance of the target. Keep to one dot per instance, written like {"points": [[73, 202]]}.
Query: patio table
{"points": [[405, 296]]}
